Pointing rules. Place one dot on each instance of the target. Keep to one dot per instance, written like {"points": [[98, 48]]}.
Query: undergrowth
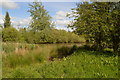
{"points": [[81, 64]]}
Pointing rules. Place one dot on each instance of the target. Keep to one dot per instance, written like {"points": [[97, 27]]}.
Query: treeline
{"points": [[41, 29], [100, 21], [44, 36]]}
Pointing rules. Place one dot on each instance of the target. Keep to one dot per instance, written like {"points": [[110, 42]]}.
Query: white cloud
{"points": [[63, 28], [1, 19], [21, 22], [8, 4], [62, 22], [60, 15], [17, 22], [61, 19]]}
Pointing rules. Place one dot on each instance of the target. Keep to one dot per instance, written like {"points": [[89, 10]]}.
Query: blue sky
{"points": [[51, 7], [20, 16]]}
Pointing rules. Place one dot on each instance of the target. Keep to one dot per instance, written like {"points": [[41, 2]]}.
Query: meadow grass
{"points": [[80, 64], [10, 47], [40, 54]]}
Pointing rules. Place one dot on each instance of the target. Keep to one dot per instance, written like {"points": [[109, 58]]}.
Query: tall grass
{"points": [[59, 61], [10, 47], [45, 52], [81, 64], [13, 60]]}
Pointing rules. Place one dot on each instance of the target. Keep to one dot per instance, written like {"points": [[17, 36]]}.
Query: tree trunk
{"points": [[100, 38], [115, 43]]}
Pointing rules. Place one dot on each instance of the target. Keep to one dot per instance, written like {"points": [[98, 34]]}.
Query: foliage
{"points": [[40, 17], [58, 36], [26, 54], [81, 64], [45, 36], [23, 35], [7, 22], [50, 36], [97, 21], [114, 26], [10, 34], [40, 30]]}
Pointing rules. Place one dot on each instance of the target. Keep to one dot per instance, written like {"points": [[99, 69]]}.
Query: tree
{"points": [[95, 20], [0, 32], [7, 22], [23, 34], [89, 21], [40, 17], [10, 34], [114, 25]]}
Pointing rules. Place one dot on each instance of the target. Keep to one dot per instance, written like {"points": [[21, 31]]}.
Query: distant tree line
{"points": [[100, 22], [40, 30]]}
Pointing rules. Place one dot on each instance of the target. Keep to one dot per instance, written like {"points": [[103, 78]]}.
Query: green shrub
{"points": [[44, 36], [10, 34], [57, 36], [73, 49]]}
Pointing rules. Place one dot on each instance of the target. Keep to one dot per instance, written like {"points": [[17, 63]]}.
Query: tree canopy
{"points": [[10, 34], [7, 22], [99, 21], [40, 17]]}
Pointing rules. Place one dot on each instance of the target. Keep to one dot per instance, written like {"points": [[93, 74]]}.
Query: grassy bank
{"points": [[28, 53], [80, 64]]}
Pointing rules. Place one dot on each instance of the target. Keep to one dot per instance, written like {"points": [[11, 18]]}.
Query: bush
{"points": [[45, 36], [57, 36], [10, 34], [73, 49]]}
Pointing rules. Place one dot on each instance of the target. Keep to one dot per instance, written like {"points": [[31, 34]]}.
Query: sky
{"points": [[21, 18]]}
